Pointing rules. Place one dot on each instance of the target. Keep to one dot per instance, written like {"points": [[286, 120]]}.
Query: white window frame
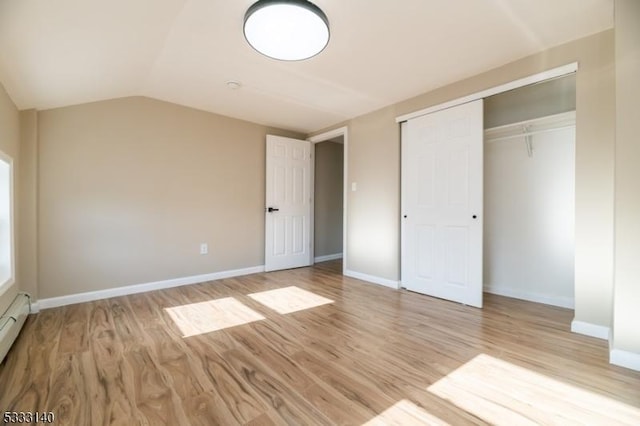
{"points": [[7, 282]]}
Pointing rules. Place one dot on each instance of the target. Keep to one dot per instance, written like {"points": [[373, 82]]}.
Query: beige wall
{"points": [[129, 188], [373, 224], [627, 263], [28, 179], [374, 153], [10, 145], [328, 195]]}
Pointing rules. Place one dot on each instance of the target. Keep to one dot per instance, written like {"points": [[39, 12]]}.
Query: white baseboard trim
{"points": [[588, 329], [373, 279], [90, 296], [35, 308], [563, 302], [625, 359], [327, 257]]}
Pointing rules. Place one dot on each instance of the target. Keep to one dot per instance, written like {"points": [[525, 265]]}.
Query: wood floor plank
{"points": [[281, 364], [286, 343], [67, 397], [200, 401], [147, 313], [356, 354], [126, 327], [112, 375], [239, 398], [335, 406], [282, 400], [155, 397], [178, 361], [13, 371], [96, 397], [354, 387], [113, 384], [74, 336], [265, 419], [29, 387]]}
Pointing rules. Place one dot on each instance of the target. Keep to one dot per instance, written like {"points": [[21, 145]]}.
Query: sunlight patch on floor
{"points": [[213, 315], [289, 299], [502, 393], [404, 412]]}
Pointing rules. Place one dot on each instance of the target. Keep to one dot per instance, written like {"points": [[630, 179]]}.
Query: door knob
{"points": [[272, 209]]}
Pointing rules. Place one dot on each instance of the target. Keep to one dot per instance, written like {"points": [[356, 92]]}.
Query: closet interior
{"points": [[529, 192]]}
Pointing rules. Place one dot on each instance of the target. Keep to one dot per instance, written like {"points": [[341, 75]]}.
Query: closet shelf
{"points": [[530, 127]]}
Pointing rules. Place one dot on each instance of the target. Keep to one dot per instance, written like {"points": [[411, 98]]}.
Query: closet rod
{"points": [[536, 132]]}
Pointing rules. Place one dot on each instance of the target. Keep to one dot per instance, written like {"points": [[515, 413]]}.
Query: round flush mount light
{"points": [[288, 30]]}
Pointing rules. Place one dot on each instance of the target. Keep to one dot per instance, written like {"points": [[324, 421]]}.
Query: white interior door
{"points": [[288, 203], [442, 204]]}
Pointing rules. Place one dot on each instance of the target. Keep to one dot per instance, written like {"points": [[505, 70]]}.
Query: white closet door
{"points": [[288, 199], [442, 204]]}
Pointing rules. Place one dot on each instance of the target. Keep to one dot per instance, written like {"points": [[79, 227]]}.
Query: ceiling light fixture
{"points": [[288, 30]]}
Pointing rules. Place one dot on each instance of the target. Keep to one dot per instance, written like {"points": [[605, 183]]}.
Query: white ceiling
{"points": [[62, 52]]}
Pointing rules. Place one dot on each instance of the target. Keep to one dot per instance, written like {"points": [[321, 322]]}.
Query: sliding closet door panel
{"points": [[442, 204]]}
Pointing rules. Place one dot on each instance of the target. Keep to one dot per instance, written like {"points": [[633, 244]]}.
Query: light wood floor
{"points": [[358, 353]]}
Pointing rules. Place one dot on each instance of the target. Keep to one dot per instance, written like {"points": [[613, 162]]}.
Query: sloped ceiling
{"points": [[56, 53]]}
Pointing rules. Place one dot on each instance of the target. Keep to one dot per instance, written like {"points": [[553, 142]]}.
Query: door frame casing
{"points": [[322, 137]]}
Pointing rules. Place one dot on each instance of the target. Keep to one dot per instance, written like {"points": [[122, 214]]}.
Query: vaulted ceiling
{"points": [[56, 53]]}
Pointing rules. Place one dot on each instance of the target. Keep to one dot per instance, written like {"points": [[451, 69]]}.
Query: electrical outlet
{"points": [[204, 248]]}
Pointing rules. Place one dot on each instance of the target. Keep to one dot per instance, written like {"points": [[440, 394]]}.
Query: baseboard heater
{"points": [[12, 321]]}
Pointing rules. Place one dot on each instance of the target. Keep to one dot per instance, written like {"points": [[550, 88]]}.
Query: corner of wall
{"points": [[27, 190]]}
